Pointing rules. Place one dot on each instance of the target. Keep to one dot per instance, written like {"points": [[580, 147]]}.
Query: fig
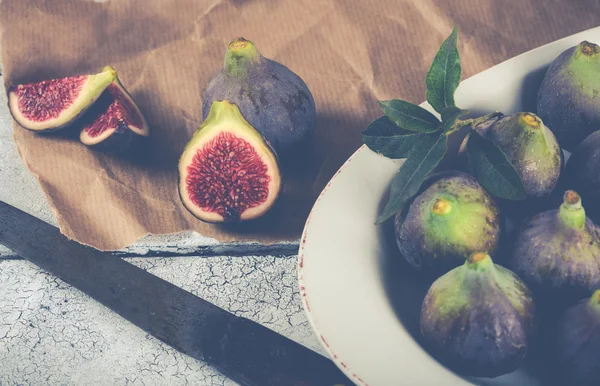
{"points": [[478, 319], [270, 96], [452, 217], [557, 252], [582, 173], [115, 121], [530, 147], [576, 346], [54, 104], [568, 100], [228, 172]]}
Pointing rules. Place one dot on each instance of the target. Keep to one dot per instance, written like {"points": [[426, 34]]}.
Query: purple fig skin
{"points": [[275, 100], [568, 100], [479, 319], [557, 253], [583, 173], [577, 343]]}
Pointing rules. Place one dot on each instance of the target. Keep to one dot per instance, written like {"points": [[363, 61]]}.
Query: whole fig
{"points": [[577, 343], [451, 218], [530, 147], [275, 100], [557, 253], [568, 100], [478, 319], [583, 173]]}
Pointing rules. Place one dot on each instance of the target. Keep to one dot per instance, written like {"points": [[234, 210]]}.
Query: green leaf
{"points": [[449, 117], [492, 169], [386, 138], [424, 157], [444, 75], [409, 116]]}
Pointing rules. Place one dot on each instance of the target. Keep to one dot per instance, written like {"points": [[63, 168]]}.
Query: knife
{"points": [[241, 349]]}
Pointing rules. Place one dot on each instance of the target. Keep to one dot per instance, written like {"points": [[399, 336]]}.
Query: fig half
{"points": [[53, 104], [115, 121], [228, 172]]}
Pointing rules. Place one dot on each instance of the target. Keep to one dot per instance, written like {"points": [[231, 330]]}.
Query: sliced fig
{"points": [[53, 104], [114, 121], [228, 172]]}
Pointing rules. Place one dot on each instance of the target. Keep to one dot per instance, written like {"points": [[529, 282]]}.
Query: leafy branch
{"points": [[409, 131]]}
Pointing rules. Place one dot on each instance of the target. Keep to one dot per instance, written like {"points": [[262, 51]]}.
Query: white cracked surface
{"points": [[52, 334]]}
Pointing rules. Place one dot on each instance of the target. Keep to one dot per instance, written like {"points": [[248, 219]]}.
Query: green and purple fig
{"points": [[478, 319], [583, 173], [577, 343], [451, 218], [530, 147], [557, 253], [272, 98], [569, 96]]}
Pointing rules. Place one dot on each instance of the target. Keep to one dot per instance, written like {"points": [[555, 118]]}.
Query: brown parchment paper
{"points": [[350, 53]]}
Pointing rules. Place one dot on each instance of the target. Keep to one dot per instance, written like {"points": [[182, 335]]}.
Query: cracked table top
{"points": [[51, 333]]}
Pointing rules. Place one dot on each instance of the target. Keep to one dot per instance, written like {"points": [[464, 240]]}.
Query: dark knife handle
{"points": [[245, 347]]}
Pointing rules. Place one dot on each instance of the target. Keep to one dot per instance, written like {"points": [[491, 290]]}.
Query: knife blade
{"points": [[241, 349]]}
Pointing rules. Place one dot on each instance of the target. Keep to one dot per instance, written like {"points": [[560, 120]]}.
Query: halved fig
{"points": [[53, 104], [228, 172], [114, 121]]}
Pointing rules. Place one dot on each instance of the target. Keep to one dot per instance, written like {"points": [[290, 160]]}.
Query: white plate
{"points": [[360, 296]]}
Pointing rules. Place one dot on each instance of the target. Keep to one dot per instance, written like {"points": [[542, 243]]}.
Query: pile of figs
{"points": [[257, 116], [515, 281]]}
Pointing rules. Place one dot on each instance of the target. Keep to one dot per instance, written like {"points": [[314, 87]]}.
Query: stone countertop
{"points": [[51, 333]]}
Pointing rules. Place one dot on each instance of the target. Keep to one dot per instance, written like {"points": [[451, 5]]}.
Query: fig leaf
{"points": [[444, 75], [492, 169], [385, 137], [409, 116], [423, 158]]}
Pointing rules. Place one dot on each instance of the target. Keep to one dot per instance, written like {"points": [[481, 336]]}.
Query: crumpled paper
{"points": [[350, 53]]}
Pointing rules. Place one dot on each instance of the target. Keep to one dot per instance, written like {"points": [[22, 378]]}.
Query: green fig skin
{"points": [[530, 147], [451, 218], [583, 173], [577, 343], [557, 253], [478, 319], [568, 98]]}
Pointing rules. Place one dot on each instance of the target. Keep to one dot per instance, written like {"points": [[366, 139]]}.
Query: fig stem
{"points": [[571, 212], [241, 53], [479, 261], [460, 123], [441, 207]]}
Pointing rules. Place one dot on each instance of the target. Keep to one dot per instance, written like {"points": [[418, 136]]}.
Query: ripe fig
{"points": [[271, 97], [577, 343], [478, 319], [557, 253], [228, 172], [568, 100], [115, 121], [582, 173], [451, 218], [531, 148], [54, 104]]}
